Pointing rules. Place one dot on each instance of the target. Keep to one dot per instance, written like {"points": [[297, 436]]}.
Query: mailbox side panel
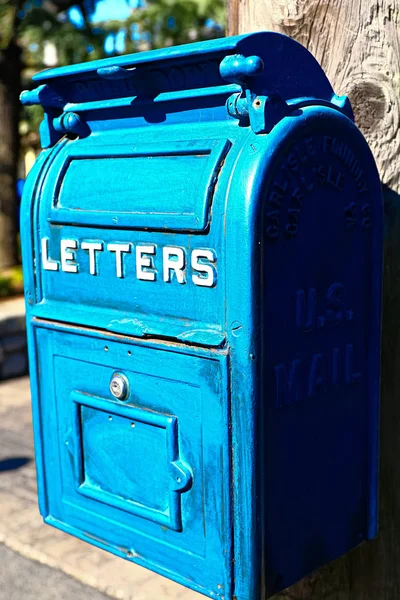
{"points": [[321, 296]]}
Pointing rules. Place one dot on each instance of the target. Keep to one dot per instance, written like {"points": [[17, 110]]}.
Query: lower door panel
{"points": [[147, 476]]}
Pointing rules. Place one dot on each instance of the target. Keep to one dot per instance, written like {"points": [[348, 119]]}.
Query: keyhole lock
{"points": [[119, 386]]}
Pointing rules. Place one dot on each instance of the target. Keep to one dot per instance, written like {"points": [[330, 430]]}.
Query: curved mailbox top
{"points": [[276, 50], [259, 65]]}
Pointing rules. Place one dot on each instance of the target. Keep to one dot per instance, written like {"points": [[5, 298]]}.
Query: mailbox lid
{"points": [[147, 477], [150, 226]]}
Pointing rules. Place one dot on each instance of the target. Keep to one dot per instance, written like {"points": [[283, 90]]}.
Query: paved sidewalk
{"points": [[22, 529], [13, 307], [23, 578]]}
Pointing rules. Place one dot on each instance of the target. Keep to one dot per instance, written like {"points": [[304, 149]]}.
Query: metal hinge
{"points": [[55, 123], [262, 111]]}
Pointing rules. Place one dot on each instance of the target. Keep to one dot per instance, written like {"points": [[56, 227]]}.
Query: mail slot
{"points": [[202, 248]]}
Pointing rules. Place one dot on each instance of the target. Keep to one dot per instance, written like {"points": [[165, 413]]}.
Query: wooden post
{"points": [[358, 44]]}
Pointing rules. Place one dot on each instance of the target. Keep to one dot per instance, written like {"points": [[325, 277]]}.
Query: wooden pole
{"points": [[358, 44]]}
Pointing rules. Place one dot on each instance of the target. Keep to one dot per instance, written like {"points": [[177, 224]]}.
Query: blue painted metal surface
{"points": [[206, 222]]}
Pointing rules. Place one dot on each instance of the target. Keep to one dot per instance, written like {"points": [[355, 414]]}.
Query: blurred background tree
{"points": [[35, 34]]}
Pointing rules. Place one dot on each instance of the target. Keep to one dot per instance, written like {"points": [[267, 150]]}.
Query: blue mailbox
{"points": [[202, 247]]}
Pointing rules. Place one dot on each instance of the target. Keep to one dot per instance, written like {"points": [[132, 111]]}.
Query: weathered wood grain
{"points": [[358, 44]]}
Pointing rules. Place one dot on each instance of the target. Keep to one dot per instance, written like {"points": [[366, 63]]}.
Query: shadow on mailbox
{"points": [[202, 245]]}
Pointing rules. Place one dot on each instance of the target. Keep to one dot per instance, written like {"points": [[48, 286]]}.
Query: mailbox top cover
{"points": [[201, 69]]}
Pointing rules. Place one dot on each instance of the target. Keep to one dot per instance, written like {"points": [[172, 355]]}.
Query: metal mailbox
{"points": [[202, 247]]}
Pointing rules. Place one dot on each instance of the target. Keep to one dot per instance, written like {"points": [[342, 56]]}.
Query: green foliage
{"points": [[158, 23], [39, 26], [7, 17], [11, 282], [173, 22]]}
